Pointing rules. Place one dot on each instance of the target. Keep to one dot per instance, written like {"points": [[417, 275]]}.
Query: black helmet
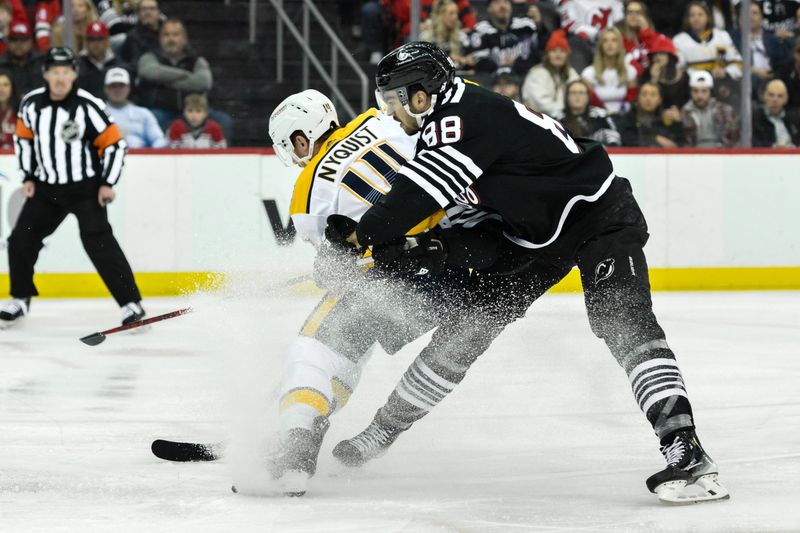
{"points": [[416, 63], [60, 55]]}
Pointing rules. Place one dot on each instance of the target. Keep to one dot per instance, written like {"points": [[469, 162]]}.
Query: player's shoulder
{"points": [[470, 101]]}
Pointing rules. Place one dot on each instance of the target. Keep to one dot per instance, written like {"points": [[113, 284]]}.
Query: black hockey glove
{"points": [[418, 255], [336, 263]]}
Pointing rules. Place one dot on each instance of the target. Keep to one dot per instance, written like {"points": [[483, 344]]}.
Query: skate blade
{"points": [[704, 489], [5, 324], [293, 483]]}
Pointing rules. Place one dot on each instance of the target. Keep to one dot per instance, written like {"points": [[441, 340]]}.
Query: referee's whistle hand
{"points": [[28, 188], [105, 195]]}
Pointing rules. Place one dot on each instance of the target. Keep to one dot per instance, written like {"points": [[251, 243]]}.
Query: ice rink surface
{"points": [[543, 435]]}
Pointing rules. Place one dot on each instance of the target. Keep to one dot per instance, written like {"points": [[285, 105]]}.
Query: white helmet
{"points": [[310, 112]]}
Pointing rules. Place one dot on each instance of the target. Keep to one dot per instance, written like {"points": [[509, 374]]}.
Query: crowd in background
{"points": [[648, 73], [130, 54]]}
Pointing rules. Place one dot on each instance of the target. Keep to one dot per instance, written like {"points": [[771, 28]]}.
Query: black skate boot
{"points": [[296, 460], [691, 475], [14, 311], [132, 312], [367, 445]]}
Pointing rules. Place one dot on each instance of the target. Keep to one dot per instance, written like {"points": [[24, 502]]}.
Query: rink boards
{"points": [[718, 221]]}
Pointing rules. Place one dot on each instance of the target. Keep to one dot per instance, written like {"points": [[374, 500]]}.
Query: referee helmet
{"points": [[60, 56]]}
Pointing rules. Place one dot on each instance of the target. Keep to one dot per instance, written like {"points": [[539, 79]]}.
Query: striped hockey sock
{"points": [[419, 391], [658, 388]]}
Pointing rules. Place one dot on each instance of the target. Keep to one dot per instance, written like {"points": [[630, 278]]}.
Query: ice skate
{"points": [[296, 460], [132, 312], [691, 475], [13, 312], [367, 445]]}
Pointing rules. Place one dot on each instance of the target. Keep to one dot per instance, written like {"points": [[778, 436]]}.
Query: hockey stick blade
{"points": [[183, 452], [96, 338]]}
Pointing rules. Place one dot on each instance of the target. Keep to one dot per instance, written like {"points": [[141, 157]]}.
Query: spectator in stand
{"points": [[701, 47], [5, 25], [8, 111], [708, 123], [195, 129], [672, 80], [120, 16], [47, 12], [667, 15], [505, 41], [584, 120], [543, 12], [773, 125], [584, 20], [24, 64], [722, 13], [645, 126], [766, 51], [780, 17], [171, 72], [137, 124], [83, 14], [443, 28], [638, 35], [545, 85], [505, 82], [145, 35], [791, 77], [19, 13], [587, 18], [464, 11], [612, 79], [96, 59]]}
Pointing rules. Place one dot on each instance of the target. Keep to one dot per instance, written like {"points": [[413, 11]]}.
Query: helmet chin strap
{"points": [[420, 117]]}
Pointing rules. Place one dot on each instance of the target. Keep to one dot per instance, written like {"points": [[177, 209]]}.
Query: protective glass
{"points": [[392, 100]]}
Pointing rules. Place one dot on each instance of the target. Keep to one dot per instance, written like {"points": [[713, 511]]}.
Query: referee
{"points": [[70, 156]]}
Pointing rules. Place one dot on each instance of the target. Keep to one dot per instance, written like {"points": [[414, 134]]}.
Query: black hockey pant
{"points": [[42, 214], [616, 290]]}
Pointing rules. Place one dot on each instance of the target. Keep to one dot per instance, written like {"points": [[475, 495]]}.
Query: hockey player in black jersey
{"points": [[559, 204]]}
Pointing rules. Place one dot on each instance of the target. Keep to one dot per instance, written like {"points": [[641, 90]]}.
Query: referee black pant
{"points": [[43, 213]]}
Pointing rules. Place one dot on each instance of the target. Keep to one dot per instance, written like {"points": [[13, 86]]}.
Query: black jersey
{"points": [[482, 150]]}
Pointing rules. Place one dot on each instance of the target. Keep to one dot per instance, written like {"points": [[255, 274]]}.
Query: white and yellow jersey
{"points": [[353, 169]]}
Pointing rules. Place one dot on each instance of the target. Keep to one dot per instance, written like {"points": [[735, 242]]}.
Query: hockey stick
{"points": [[183, 452], [96, 338]]}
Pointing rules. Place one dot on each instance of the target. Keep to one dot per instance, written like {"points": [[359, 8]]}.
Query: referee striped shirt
{"points": [[67, 141]]}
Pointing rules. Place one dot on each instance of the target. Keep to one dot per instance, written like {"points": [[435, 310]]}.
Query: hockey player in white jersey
{"points": [[345, 170]]}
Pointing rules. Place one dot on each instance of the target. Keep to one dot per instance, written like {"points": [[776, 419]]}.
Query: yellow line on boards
{"points": [[89, 285]]}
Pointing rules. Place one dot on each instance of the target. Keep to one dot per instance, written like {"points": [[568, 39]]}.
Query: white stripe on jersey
{"points": [[61, 147], [464, 160], [45, 161], [425, 184], [451, 168], [574, 200]]}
